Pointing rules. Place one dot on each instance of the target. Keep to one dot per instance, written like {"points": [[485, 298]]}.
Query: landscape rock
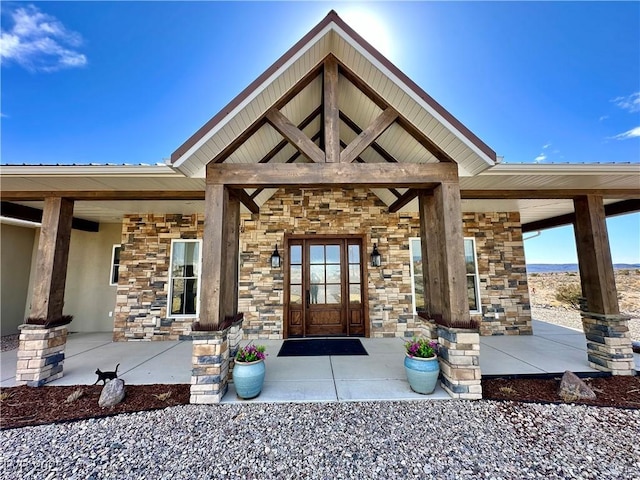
{"points": [[112, 393], [572, 388]]}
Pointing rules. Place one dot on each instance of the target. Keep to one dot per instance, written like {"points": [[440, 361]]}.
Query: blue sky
{"points": [[128, 82]]}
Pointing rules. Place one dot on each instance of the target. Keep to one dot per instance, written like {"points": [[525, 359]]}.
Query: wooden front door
{"points": [[324, 286]]}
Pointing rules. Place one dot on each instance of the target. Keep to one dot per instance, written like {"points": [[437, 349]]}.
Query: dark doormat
{"points": [[319, 347]]}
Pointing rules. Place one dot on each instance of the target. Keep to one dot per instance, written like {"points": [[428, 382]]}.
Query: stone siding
{"points": [[504, 292], [143, 284], [141, 310]]}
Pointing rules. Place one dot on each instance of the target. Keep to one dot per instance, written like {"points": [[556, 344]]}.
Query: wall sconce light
{"points": [[375, 256], [275, 258]]}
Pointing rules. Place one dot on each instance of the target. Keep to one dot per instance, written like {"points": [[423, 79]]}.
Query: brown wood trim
{"points": [[30, 214], [103, 195], [331, 175], [547, 194], [610, 210], [295, 156], [379, 150], [403, 200], [369, 135], [296, 137]]}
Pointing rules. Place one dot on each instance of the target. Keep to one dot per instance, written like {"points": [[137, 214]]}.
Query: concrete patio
{"points": [[378, 376]]}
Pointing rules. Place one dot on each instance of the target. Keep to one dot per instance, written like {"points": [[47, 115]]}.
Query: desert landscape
{"points": [[543, 288]]}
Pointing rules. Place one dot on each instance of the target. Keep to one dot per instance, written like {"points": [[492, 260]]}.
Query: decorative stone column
{"points": [[233, 337], [210, 366], [459, 354], [40, 354], [609, 347]]}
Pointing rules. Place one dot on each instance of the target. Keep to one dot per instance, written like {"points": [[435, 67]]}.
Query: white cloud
{"points": [[603, 118], [40, 42], [633, 133], [540, 158], [546, 145], [630, 103]]}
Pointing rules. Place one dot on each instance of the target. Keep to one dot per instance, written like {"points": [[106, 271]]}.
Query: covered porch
{"points": [[379, 376]]}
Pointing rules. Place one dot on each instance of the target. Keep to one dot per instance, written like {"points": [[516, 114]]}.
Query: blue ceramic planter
{"points": [[422, 373], [248, 378]]}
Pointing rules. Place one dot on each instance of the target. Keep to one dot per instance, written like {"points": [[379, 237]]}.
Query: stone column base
{"points": [[459, 354], [210, 366], [609, 346], [40, 354], [234, 336]]}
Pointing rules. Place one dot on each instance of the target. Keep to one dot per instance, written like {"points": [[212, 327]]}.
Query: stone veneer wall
{"points": [[143, 285], [504, 292], [146, 239], [325, 212]]}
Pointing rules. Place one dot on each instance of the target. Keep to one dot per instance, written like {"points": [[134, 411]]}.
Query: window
{"points": [[471, 264], [115, 265], [184, 281]]}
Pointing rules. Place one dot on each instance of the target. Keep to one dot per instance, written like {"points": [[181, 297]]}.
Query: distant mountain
{"points": [[570, 267]]}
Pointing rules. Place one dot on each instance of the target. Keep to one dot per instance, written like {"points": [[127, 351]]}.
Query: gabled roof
{"points": [[368, 82]]}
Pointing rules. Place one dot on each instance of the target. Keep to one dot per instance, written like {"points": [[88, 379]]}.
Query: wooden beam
{"points": [[95, 195], [610, 210], [219, 285], [305, 123], [30, 214], [594, 256], [246, 200], [295, 136], [411, 129], [331, 175], [52, 258], [403, 200], [378, 149], [369, 135], [547, 193], [331, 112]]}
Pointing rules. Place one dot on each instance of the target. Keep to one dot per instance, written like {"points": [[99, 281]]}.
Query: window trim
{"points": [[476, 275], [198, 279], [112, 267]]}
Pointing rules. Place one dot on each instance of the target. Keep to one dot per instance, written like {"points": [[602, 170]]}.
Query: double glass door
{"points": [[324, 287]]}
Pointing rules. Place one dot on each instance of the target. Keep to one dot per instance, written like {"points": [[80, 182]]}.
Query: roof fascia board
{"points": [[412, 92], [565, 169], [89, 171], [250, 93]]}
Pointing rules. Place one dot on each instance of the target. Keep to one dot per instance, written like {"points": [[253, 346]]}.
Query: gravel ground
{"points": [[571, 318], [444, 440]]}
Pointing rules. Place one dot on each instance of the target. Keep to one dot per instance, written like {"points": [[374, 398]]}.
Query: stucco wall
{"points": [[88, 295], [15, 267], [143, 287]]}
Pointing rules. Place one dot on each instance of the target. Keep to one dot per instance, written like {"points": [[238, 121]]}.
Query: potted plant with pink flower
{"points": [[249, 370], [421, 364]]}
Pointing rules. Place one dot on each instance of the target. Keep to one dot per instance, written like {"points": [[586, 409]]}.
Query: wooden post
{"points": [[330, 113], [220, 256], [51, 262], [607, 331], [448, 209], [430, 245], [594, 255]]}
